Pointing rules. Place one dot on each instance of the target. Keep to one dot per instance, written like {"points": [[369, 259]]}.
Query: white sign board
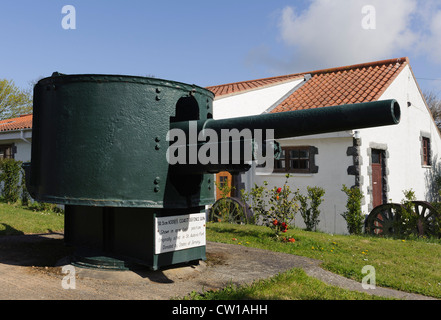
{"points": [[179, 232]]}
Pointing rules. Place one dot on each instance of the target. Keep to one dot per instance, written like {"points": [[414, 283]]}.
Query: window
{"points": [[296, 160], [223, 180], [426, 151], [6, 152]]}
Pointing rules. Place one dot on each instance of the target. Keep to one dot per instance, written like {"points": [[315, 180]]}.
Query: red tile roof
{"points": [[238, 87], [344, 85], [20, 123]]}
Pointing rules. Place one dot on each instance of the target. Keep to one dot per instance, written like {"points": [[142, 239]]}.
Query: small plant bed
{"points": [[411, 265]]}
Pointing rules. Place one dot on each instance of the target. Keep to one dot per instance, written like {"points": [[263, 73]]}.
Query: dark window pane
{"points": [[426, 151], [376, 156], [304, 164], [294, 154], [294, 159], [279, 164], [294, 164], [303, 154]]}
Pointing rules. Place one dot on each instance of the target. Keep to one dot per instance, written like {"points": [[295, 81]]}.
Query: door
{"points": [[377, 177], [223, 178]]}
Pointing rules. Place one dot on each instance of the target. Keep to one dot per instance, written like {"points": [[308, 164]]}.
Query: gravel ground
{"points": [[27, 273]]}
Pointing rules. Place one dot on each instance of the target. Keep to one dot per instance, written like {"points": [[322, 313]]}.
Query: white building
{"points": [[16, 138], [382, 161]]}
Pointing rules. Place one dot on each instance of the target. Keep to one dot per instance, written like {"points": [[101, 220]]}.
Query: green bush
{"points": [[25, 197], [44, 207], [408, 219], [353, 216], [256, 199], [311, 213], [10, 176]]}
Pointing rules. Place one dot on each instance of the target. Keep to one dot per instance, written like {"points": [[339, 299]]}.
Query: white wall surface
{"points": [[23, 151], [403, 141], [333, 164], [251, 102]]}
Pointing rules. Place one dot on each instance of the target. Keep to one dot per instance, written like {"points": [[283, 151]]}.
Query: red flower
{"points": [[275, 222], [292, 240], [279, 190], [284, 225]]}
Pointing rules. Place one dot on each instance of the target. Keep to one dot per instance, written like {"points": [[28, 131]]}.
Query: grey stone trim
{"points": [[357, 160], [312, 152]]}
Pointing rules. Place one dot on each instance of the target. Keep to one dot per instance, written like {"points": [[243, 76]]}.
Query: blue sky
{"points": [[215, 42]]}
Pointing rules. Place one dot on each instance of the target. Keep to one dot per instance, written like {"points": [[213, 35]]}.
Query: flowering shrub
{"points": [[283, 207], [285, 239], [280, 226], [277, 207]]}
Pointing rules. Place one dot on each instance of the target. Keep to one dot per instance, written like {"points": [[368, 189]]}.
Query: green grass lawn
{"points": [[294, 284], [16, 220], [407, 265], [410, 265]]}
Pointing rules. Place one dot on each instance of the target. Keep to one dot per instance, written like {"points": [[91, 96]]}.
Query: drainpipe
{"points": [[23, 138]]}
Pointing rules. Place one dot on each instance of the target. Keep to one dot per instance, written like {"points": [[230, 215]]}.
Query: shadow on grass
{"points": [[8, 231], [32, 250]]}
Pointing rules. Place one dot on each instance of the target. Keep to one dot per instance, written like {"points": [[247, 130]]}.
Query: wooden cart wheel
{"points": [[382, 220], [230, 210], [428, 219]]}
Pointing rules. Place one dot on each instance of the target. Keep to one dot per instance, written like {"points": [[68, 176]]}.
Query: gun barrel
{"points": [[315, 121], [284, 125]]}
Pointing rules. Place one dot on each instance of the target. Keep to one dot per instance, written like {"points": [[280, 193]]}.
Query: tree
{"points": [[13, 101], [434, 104]]}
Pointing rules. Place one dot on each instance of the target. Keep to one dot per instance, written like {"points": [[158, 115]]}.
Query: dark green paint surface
{"points": [[101, 141]]}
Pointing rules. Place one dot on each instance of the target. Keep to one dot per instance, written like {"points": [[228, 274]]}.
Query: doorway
{"points": [[378, 173], [223, 178]]}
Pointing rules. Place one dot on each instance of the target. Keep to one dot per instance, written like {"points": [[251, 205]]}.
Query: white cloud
{"points": [[430, 41], [329, 33]]}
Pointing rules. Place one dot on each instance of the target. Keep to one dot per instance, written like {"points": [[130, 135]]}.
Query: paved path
{"points": [[24, 273]]}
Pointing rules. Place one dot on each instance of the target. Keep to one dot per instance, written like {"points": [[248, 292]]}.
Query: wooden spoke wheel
{"points": [[428, 219], [230, 210], [382, 220]]}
